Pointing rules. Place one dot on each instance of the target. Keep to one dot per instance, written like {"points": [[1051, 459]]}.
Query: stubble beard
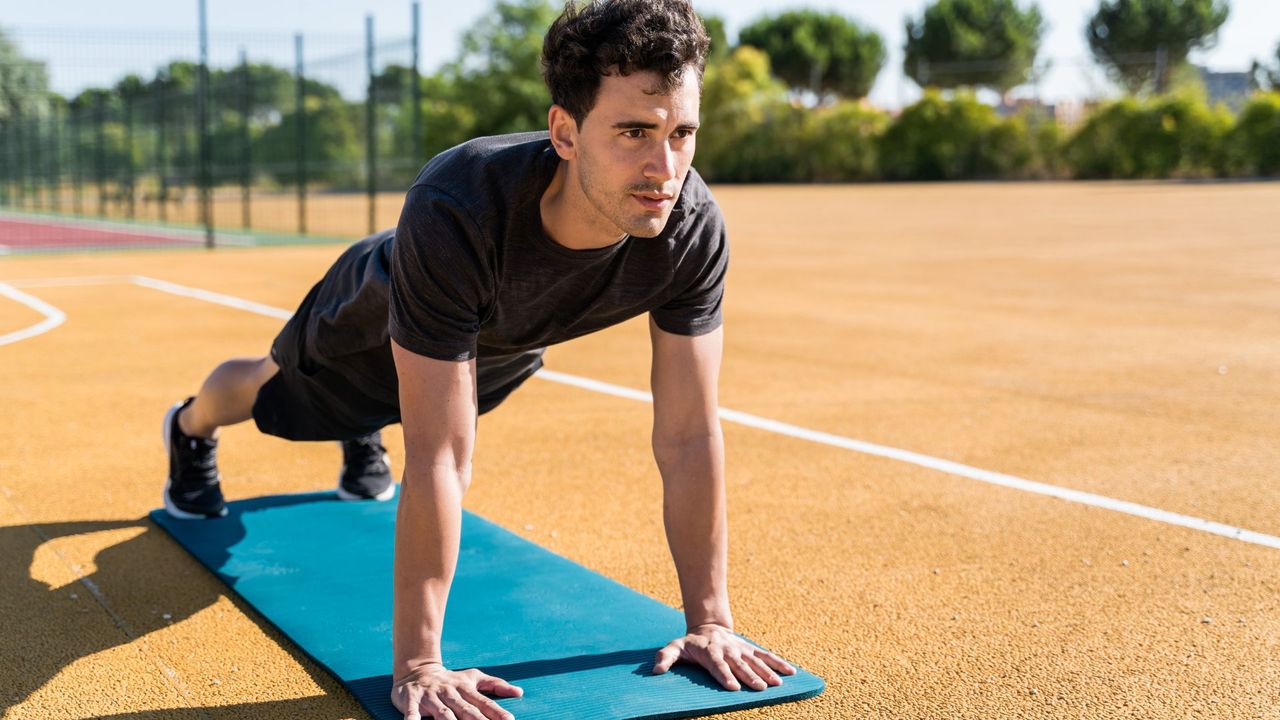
{"points": [[614, 209]]}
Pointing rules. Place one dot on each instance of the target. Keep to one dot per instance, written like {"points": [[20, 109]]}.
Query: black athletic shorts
{"points": [[319, 404], [349, 396]]}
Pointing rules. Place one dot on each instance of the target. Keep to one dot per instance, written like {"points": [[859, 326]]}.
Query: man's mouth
{"points": [[653, 201]]}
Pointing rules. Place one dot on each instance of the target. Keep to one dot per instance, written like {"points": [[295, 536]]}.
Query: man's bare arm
{"points": [[438, 411], [689, 449]]}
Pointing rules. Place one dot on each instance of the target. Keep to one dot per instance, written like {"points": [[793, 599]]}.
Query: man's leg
{"points": [[193, 489], [227, 396]]}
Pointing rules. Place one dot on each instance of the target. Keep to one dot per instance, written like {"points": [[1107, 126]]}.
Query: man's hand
{"points": [[434, 691], [732, 661]]}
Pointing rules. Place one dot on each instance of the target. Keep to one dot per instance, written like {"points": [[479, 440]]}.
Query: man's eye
{"points": [[684, 132], [635, 133]]}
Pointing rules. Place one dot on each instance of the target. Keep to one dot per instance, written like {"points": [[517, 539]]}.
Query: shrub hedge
{"points": [[756, 133]]}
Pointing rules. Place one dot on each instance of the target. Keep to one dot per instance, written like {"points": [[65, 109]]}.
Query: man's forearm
{"points": [[428, 533], [694, 511]]}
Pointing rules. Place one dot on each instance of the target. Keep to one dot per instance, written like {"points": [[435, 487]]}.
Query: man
{"points": [[507, 245]]}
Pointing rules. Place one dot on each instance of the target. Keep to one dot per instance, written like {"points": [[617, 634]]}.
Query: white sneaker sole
{"points": [[169, 507]]}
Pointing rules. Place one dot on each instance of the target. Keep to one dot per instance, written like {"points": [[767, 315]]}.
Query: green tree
{"points": [[1264, 77], [823, 52], [1175, 135], [956, 139], [1142, 42], [1253, 145], [974, 43], [719, 37], [333, 154], [498, 73], [737, 94], [270, 90], [24, 83]]}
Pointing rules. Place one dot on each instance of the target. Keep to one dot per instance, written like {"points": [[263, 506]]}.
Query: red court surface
{"points": [[42, 234]]}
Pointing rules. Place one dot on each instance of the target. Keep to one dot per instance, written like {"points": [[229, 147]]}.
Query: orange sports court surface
{"points": [[1012, 451]]}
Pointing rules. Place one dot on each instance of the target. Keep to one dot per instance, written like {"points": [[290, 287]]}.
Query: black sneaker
{"points": [[192, 491], [366, 470]]}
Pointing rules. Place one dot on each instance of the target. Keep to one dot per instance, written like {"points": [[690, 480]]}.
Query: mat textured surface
{"points": [[579, 644]]}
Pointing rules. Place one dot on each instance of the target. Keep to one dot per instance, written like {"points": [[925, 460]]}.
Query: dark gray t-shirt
{"points": [[469, 273], [474, 274]]}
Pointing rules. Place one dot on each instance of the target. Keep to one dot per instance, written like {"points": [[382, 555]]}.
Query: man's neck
{"points": [[566, 215]]}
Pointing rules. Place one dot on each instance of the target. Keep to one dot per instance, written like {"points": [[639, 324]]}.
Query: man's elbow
{"points": [[438, 477], [671, 448]]}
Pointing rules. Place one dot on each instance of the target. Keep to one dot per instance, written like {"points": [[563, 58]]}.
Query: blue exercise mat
{"points": [[579, 644]]}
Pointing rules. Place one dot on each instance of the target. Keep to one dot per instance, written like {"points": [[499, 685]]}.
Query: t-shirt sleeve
{"points": [[441, 284], [695, 308]]}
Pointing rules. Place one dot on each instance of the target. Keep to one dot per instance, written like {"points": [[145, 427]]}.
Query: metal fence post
{"points": [[416, 90], [246, 174], [37, 166], [35, 170], [129, 170], [1162, 70], [35, 192], [77, 157], [100, 158], [55, 159], [300, 124], [20, 160], [6, 146], [202, 113], [39, 169], [6, 163], [162, 131], [370, 136]]}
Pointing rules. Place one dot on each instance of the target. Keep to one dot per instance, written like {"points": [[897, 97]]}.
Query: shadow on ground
{"points": [[140, 585]]}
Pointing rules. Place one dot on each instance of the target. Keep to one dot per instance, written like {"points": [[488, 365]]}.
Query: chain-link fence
{"points": [[235, 139], [270, 138]]}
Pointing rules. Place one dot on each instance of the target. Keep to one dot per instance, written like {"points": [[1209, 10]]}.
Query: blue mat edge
{"points": [[162, 520]]}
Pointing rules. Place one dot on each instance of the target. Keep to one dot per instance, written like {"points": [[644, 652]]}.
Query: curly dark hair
{"points": [[624, 36]]}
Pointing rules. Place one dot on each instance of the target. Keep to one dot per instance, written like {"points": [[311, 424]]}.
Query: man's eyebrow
{"points": [[647, 125], [635, 124]]}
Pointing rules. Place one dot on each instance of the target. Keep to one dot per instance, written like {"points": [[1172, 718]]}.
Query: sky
{"points": [[89, 42]]}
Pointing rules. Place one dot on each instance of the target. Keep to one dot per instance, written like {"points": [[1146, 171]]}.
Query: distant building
{"points": [[1066, 113], [1070, 114], [1231, 88]]}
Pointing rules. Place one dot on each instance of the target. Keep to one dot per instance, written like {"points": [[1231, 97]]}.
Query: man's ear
{"points": [[564, 132]]}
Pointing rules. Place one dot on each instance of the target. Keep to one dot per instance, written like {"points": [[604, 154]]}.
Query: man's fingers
{"points": [[411, 711], [667, 657], [462, 709], [488, 708], [410, 697], [434, 706], [745, 673], [723, 674], [496, 686], [775, 662], [762, 670]]}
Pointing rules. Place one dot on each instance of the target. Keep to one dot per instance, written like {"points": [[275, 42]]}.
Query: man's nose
{"points": [[661, 165]]}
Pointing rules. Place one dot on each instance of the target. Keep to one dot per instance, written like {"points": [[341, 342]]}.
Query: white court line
{"points": [[53, 317], [795, 431], [946, 466], [213, 297]]}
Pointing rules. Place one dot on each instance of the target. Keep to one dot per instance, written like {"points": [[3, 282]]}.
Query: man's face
{"points": [[635, 148]]}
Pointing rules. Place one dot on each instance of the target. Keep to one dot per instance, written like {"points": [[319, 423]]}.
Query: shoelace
{"points": [[202, 456], [364, 453]]}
